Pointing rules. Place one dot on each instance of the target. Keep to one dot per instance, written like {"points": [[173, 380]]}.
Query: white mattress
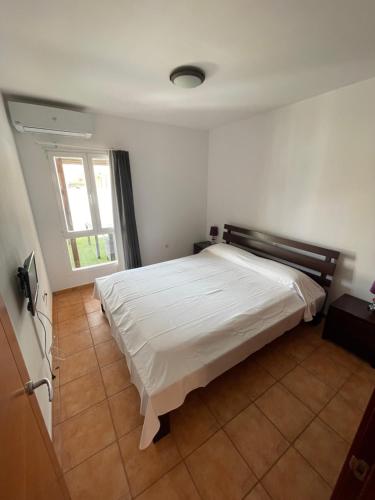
{"points": [[183, 322]]}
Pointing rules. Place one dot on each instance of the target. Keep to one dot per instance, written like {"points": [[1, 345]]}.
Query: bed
{"points": [[182, 323]]}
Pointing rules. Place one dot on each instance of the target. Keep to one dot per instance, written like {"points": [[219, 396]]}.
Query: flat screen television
{"points": [[28, 277]]}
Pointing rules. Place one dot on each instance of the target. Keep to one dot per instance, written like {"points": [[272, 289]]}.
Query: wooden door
{"points": [[357, 477], [28, 465]]}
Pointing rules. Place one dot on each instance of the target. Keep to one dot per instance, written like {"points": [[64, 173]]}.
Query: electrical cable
{"points": [[49, 321], [57, 356], [45, 340]]}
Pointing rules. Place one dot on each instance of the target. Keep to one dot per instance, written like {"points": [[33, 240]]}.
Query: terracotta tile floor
{"points": [[277, 426]]}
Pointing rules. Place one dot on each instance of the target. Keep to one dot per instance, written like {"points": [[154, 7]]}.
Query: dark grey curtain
{"points": [[125, 202]]}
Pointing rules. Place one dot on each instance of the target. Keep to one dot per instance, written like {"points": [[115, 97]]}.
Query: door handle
{"points": [[31, 386]]}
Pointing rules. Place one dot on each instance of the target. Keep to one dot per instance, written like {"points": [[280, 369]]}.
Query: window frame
{"points": [[97, 229], [91, 157]]}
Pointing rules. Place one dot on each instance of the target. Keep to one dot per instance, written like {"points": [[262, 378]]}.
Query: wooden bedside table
{"points": [[350, 324], [201, 245]]}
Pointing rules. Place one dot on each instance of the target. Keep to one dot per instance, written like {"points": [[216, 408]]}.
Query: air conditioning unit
{"points": [[47, 120]]}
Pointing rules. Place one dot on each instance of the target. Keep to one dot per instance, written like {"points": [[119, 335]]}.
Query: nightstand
{"points": [[201, 245], [350, 324]]}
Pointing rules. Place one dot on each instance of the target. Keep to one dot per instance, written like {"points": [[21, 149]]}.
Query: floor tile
{"points": [[116, 377], [176, 485], [100, 477], [274, 361], [125, 410], [292, 478], [357, 391], [101, 333], [66, 299], [92, 306], [312, 333], [326, 369], [368, 372], [56, 405], [296, 347], [309, 389], [96, 318], [258, 493], [219, 471], [55, 361], [75, 342], [341, 356], [342, 417], [78, 364], [225, 397], [288, 414], [87, 290], [72, 326], [323, 449], [108, 352], [144, 467], [192, 424], [83, 435], [66, 292], [257, 439], [254, 379], [69, 312], [54, 314], [81, 393], [88, 297]]}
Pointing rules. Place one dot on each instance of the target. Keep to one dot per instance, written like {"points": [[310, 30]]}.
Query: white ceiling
{"points": [[115, 56]]}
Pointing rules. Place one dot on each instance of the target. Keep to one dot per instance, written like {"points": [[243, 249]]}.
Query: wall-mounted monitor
{"points": [[28, 277]]}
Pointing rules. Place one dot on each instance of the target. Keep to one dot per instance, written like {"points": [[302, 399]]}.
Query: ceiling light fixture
{"points": [[187, 77]]}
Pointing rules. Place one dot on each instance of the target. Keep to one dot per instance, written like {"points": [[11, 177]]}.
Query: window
{"points": [[85, 201]]}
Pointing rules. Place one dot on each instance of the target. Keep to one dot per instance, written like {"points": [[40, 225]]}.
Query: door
{"points": [[28, 465], [357, 477]]}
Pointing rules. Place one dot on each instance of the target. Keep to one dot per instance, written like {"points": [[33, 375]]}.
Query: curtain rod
{"points": [[55, 145]]}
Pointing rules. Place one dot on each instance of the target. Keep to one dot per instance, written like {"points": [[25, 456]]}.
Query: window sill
{"points": [[112, 263]]}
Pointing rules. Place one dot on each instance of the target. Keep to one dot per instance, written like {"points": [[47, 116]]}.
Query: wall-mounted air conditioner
{"points": [[47, 120]]}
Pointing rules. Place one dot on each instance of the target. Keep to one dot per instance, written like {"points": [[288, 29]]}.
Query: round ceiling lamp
{"points": [[187, 77]]}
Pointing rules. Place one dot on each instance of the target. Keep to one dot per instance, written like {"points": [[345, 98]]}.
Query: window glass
{"points": [[102, 175], [88, 251], [73, 192]]}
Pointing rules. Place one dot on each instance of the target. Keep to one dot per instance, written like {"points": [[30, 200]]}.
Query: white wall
{"points": [[306, 171], [18, 238], [169, 173]]}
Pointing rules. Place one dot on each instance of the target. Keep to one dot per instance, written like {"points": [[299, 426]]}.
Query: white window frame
{"points": [[97, 228]]}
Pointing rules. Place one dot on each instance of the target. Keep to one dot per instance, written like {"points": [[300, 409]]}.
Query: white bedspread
{"points": [[183, 322]]}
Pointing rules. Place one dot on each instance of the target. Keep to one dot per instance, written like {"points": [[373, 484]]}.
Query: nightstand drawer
{"points": [[351, 332]]}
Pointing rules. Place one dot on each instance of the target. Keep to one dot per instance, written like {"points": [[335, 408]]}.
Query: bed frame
{"points": [[317, 262]]}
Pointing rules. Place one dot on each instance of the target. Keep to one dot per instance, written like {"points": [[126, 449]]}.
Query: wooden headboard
{"points": [[317, 262]]}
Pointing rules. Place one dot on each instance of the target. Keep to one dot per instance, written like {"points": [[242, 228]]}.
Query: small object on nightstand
{"points": [[350, 324], [201, 245], [214, 231], [371, 306]]}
